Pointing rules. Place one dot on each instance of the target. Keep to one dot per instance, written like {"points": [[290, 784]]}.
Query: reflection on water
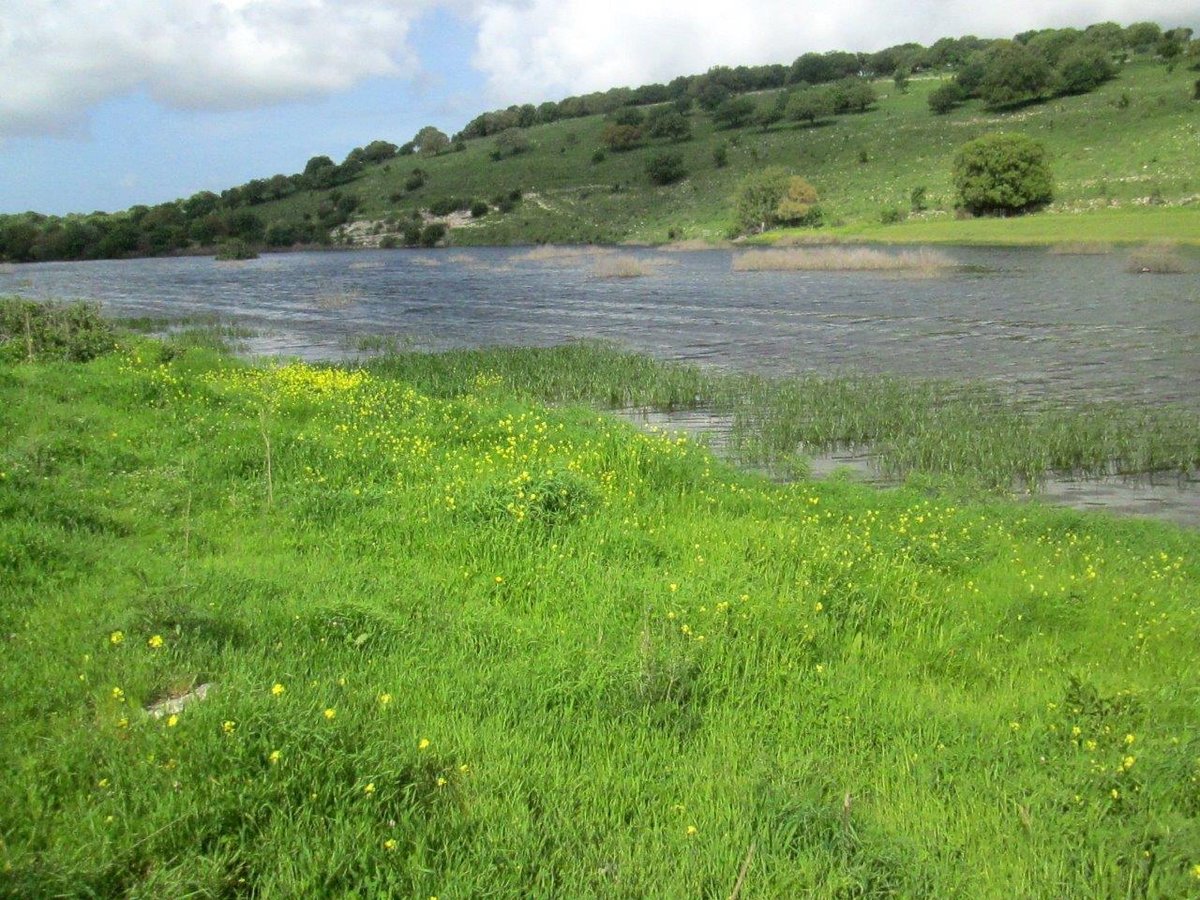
{"points": [[1069, 327]]}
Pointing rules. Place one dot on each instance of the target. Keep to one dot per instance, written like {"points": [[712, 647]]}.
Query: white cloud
{"points": [[60, 57], [531, 50]]}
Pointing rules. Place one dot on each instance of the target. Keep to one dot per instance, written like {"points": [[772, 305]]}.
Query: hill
{"points": [[1122, 156], [1129, 146]]}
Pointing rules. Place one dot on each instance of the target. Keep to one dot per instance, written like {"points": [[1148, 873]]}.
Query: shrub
{"points": [[432, 234], [666, 122], [479, 209], [75, 332], [416, 180], [891, 215], [736, 112], [511, 142], [810, 105], [1084, 67], [628, 115], [665, 168], [720, 153], [944, 98], [916, 199], [797, 205], [1002, 174], [598, 156], [620, 138], [389, 242]]}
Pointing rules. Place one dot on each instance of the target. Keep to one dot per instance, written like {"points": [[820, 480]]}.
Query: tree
{"points": [[901, 77], [1084, 67], [945, 97], [1002, 174], [810, 104], [736, 112], [665, 168], [757, 200], [1014, 74], [429, 141], [1142, 37]]}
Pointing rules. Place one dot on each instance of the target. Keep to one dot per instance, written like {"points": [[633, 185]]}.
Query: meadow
{"points": [[458, 643], [865, 168]]}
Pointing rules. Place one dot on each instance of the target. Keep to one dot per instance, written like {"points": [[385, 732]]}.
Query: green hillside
{"points": [[1127, 148]]}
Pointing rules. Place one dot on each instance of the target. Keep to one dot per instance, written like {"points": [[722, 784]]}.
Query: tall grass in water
{"points": [[972, 433], [474, 647], [842, 259], [1157, 259], [1081, 248], [624, 266]]}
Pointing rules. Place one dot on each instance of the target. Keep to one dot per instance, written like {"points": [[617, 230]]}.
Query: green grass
{"points": [[611, 665], [1109, 160]]}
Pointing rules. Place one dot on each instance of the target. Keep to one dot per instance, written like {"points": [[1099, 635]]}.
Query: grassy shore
{"points": [[465, 645]]}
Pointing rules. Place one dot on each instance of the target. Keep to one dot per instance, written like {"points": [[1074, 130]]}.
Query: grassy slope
{"points": [[632, 665], [1100, 153]]}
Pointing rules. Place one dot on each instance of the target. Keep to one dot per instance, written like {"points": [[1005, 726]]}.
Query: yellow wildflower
{"points": [[441, 782], [385, 699], [273, 757], [389, 844], [370, 788], [277, 689], [116, 637], [330, 713], [423, 744], [692, 831], [118, 695], [155, 642], [172, 720], [228, 726], [1129, 739], [102, 783]]}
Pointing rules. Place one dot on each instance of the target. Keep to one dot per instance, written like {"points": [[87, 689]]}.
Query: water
{"points": [[1052, 327], [1067, 326]]}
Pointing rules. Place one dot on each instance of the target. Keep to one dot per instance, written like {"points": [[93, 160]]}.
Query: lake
{"points": [[1044, 326]]}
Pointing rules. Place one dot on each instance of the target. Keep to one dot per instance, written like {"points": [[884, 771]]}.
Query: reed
{"points": [[1161, 258], [842, 259]]}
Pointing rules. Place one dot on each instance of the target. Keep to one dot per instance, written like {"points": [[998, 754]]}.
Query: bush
{"points": [[665, 122], [944, 98], [1084, 67], [797, 205], [432, 234], [598, 156], [891, 215], [810, 105], [720, 154], [479, 209], [75, 332], [416, 180], [665, 168], [511, 142], [737, 112], [620, 138], [1002, 174]]}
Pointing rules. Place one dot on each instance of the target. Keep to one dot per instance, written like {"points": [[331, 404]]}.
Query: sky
{"points": [[109, 103]]}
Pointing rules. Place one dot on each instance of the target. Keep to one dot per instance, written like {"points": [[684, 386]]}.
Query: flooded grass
{"points": [[623, 266], [842, 259], [1082, 248], [1161, 258], [971, 434]]}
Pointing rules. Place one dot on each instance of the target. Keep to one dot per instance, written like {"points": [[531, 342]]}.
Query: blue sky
{"points": [[108, 103]]}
